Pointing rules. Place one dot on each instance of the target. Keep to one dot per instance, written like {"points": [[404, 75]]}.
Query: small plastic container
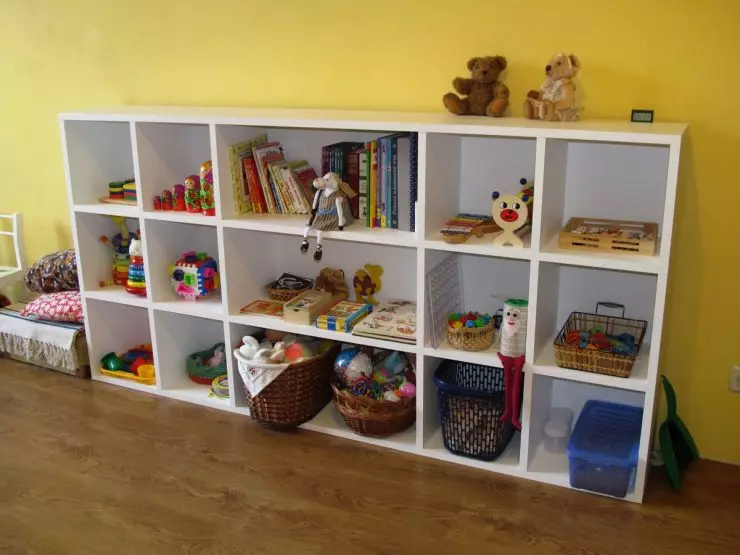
{"points": [[603, 448], [557, 430]]}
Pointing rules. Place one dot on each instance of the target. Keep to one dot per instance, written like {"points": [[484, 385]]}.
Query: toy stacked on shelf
{"points": [[136, 364], [195, 275], [195, 196], [136, 282], [120, 244], [121, 192]]}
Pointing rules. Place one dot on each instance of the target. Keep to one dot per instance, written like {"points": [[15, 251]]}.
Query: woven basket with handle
{"points": [[297, 394], [591, 360]]}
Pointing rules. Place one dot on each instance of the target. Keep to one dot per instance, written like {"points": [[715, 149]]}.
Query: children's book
{"points": [[243, 202], [286, 199], [393, 321], [362, 184], [305, 174], [343, 316], [294, 188], [372, 148], [413, 167], [264, 308], [255, 187], [265, 154]]}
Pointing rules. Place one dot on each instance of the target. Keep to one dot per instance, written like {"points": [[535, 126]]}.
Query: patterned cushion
{"points": [[54, 272], [62, 307]]}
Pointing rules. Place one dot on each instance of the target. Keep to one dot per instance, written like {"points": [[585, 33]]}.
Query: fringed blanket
{"points": [[42, 342]]}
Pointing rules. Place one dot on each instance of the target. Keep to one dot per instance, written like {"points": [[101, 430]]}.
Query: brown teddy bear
{"points": [[483, 94], [556, 99]]}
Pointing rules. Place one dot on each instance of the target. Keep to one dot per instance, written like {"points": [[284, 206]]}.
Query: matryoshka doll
{"points": [[179, 198], [207, 200], [192, 193], [166, 200]]}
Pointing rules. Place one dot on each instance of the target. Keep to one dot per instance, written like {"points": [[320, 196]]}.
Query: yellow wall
{"points": [[679, 57]]}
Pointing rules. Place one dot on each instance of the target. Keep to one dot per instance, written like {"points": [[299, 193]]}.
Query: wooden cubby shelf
{"points": [[604, 169]]}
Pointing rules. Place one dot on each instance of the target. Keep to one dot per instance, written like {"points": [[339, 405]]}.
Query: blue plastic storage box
{"points": [[603, 448]]}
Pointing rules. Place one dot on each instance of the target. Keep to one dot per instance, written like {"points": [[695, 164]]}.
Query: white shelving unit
{"points": [[598, 169]]}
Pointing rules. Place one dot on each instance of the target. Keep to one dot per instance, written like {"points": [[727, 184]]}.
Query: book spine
{"points": [[253, 181], [380, 208], [336, 165], [295, 192], [265, 184], [353, 180], [284, 200], [324, 160], [362, 185], [243, 184], [413, 164], [373, 204], [394, 183], [276, 208]]}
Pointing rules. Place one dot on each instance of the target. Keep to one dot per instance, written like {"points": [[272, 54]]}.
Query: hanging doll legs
{"points": [[305, 244], [513, 378]]}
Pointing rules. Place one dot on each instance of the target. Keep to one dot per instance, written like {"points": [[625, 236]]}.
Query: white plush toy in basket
{"points": [[259, 365]]}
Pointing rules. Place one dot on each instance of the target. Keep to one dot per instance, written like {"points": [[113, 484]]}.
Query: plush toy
{"points": [[556, 99], [330, 210], [332, 281], [482, 94]]}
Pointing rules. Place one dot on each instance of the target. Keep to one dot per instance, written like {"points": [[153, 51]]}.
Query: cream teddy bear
{"points": [[556, 99]]}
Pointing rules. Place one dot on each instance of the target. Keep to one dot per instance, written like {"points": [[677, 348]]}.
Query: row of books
{"points": [[383, 173], [265, 182]]}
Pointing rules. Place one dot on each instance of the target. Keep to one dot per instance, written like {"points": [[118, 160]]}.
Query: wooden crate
{"points": [[596, 234]]}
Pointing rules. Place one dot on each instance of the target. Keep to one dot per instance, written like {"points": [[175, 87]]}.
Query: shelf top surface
{"points": [[439, 122]]}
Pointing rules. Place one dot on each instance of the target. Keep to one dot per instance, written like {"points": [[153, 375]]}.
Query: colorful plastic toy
{"points": [[120, 244], [136, 282], [194, 275], [136, 364]]}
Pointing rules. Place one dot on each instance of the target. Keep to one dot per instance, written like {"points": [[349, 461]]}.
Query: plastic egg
{"points": [[406, 389], [457, 325], [470, 324]]}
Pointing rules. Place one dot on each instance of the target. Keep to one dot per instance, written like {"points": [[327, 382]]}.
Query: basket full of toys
{"points": [[286, 377], [376, 395], [598, 343], [205, 366], [470, 331]]}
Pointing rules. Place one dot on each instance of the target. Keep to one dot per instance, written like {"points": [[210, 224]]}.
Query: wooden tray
{"points": [[599, 235], [108, 200]]}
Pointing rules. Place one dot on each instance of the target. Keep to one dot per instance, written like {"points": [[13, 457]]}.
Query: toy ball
{"points": [[470, 324], [352, 364], [457, 325], [298, 350], [406, 389]]}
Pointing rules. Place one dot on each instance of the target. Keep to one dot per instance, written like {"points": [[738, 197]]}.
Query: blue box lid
{"points": [[607, 433]]}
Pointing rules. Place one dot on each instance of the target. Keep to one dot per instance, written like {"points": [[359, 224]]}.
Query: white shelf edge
{"points": [[128, 384], [198, 308], [294, 225], [479, 247], [104, 209], [279, 324], [486, 357], [431, 122], [181, 217], [544, 365], [640, 264], [116, 295]]}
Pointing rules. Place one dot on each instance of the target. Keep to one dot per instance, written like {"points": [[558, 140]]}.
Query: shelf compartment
{"points": [[330, 422], [432, 440], [95, 257], [178, 336], [591, 179], [548, 392], [105, 337], [166, 242], [108, 209], [457, 287], [461, 174], [255, 259], [565, 289], [298, 144], [167, 154], [98, 153]]}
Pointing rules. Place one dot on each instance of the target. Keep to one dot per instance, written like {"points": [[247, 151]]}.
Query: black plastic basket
{"points": [[471, 402]]}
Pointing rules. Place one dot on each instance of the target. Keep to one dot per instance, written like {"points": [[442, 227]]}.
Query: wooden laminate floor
{"points": [[89, 469]]}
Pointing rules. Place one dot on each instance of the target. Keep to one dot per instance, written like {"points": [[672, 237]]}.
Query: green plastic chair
{"points": [[676, 444]]}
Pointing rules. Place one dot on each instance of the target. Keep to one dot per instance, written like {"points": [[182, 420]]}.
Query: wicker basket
{"points": [[591, 360], [369, 417], [471, 402], [283, 295], [297, 394], [201, 373], [471, 339]]}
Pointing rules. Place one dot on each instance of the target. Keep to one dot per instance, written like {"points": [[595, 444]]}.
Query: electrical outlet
{"points": [[735, 379]]}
